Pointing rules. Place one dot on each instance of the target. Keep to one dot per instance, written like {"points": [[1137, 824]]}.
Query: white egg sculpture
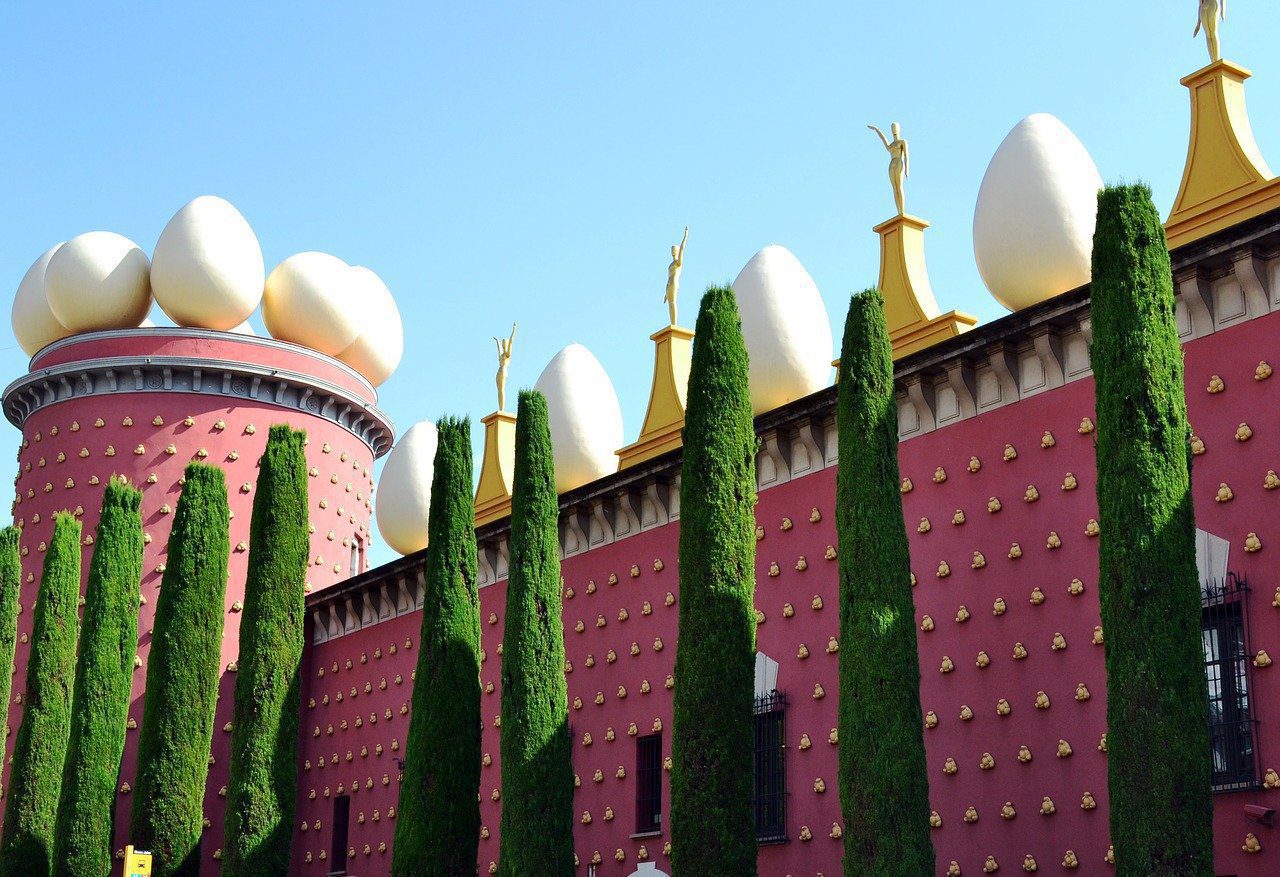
{"points": [[308, 300], [377, 349], [99, 280], [34, 324], [404, 489], [586, 420], [1033, 224], [207, 269], [244, 328], [785, 326]]}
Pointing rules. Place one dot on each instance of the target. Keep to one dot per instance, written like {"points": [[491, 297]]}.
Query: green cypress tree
{"points": [[1157, 704], [537, 770], [884, 787], [104, 677], [438, 829], [10, 585], [32, 809], [182, 678], [713, 748], [262, 791]]}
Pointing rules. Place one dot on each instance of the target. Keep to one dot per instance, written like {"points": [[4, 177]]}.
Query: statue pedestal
{"points": [[493, 496], [664, 421], [1226, 179], [911, 311]]}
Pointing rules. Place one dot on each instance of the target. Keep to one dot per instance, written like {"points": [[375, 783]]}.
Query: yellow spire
{"points": [[663, 422], [1226, 179], [493, 496], [912, 313]]}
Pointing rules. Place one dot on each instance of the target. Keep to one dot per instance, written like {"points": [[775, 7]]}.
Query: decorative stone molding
{"points": [[348, 610], [234, 380]]}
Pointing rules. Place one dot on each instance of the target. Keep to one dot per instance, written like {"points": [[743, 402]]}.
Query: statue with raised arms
{"points": [[504, 359], [1210, 12], [899, 163]]}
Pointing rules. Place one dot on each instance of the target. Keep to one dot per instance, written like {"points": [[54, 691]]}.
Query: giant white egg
{"points": [[586, 419], [99, 280], [785, 327], [34, 324], [308, 300], [1033, 224], [377, 349], [207, 269], [404, 489]]}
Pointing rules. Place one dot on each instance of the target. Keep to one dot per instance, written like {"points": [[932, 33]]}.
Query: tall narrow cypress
{"points": [[537, 770], [712, 825], [262, 790], [182, 678], [1158, 761], [884, 788], [10, 585], [438, 829], [104, 678], [32, 809]]}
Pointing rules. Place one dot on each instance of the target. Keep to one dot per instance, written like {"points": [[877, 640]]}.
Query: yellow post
{"points": [[1226, 180], [137, 863], [493, 495], [664, 421], [915, 321]]}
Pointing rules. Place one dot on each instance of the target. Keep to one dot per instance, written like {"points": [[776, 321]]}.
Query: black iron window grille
{"points": [[1224, 630], [770, 800], [649, 784]]}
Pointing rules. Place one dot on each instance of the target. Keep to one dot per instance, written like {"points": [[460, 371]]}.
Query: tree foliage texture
{"points": [[38, 754], [438, 829], [1157, 705], [262, 789], [182, 678], [713, 744], [10, 586], [537, 770], [104, 678], [884, 787]]}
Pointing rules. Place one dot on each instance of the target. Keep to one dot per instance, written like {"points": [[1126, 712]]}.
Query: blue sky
{"points": [[534, 162]]}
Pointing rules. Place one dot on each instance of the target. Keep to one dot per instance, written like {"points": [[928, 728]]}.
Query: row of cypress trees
{"points": [[883, 783], [59, 816], [1148, 584]]}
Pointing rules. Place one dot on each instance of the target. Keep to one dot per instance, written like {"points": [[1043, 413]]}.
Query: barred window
{"points": [[770, 799], [649, 784], [1224, 631]]}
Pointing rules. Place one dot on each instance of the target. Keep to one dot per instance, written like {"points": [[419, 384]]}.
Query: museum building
{"points": [[997, 455], [997, 461]]}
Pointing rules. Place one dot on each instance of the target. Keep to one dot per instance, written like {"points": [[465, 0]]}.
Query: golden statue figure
{"points": [[673, 275], [899, 163], [1210, 12], [504, 359]]}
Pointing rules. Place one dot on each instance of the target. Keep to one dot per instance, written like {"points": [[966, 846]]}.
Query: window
{"points": [[341, 822], [649, 784], [1224, 633], [357, 556], [770, 798]]}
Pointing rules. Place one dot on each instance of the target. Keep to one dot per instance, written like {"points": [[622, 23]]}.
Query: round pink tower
{"points": [[144, 403]]}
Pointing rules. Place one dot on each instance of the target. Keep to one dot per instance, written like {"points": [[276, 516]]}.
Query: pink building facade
{"points": [[997, 455]]}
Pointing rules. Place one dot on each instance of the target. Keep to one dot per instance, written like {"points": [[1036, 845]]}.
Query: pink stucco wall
{"points": [[1232, 354], [63, 450]]}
